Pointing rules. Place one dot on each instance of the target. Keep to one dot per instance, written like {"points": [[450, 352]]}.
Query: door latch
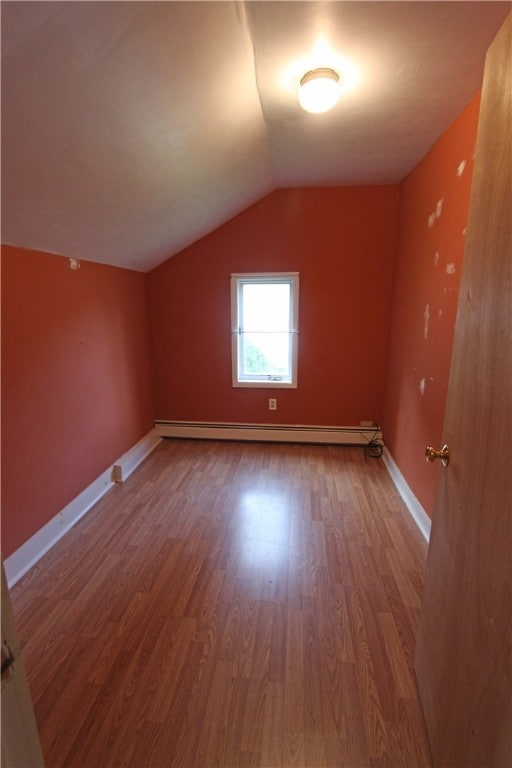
{"points": [[431, 454]]}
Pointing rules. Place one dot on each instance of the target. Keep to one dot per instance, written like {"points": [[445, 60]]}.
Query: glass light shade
{"points": [[319, 90]]}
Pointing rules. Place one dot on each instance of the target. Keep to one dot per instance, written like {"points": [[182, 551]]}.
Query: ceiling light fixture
{"points": [[319, 90]]}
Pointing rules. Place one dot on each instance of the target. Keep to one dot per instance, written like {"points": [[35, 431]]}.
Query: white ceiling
{"points": [[131, 129]]}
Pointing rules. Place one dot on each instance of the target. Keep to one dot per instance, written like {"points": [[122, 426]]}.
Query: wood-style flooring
{"points": [[231, 604]]}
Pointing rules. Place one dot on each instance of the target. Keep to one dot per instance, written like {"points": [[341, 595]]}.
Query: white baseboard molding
{"points": [[137, 453], [280, 433], [416, 511], [21, 561]]}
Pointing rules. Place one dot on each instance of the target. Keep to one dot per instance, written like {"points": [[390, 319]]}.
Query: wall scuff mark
{"points": [[422, 387], [439, 207], [450, 268], [431, 220], [460, 168], [436, 258], [426, 315]]}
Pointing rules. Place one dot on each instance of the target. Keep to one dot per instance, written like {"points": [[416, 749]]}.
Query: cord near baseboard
{"points": [[374, 446]]}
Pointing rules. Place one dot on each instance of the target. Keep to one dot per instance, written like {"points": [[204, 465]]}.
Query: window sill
{"points": [[264, 385]]}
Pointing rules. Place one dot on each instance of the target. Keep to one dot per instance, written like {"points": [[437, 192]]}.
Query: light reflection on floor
{"points": [[263, 528]]}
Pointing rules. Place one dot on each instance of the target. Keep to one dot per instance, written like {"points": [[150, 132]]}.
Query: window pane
{"points": [[265, 354], [266, 307], [264, 317]]}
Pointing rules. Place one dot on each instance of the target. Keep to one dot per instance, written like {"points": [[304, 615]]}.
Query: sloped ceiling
{"points": [[131, 129]]}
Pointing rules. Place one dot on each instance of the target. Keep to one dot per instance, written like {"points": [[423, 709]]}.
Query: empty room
{"points": [[256, 345]]}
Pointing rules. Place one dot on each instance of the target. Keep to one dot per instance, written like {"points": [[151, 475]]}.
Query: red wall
{"points": [[343, 243], [76, 383], [427, 273], [77, 387]]}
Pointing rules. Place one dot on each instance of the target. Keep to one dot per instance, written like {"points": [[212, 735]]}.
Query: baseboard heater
{"points": [[278, 433]]}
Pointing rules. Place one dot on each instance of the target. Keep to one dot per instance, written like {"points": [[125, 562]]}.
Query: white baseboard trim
{"points": [[280, 433], [137, 453], [21, 561], [416, 511]]}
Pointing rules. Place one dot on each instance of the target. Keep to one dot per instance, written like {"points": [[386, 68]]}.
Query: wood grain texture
{"points": [[231, 605], [464, 653]]}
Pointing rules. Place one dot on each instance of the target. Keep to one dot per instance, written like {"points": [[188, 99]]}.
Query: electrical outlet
{"points": [[272, 404]]}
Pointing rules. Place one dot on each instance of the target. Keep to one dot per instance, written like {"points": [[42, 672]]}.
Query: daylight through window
{"points": [[264, 313]]}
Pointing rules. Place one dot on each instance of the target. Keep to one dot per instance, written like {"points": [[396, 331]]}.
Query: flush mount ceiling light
{"points": [[319, 90]]}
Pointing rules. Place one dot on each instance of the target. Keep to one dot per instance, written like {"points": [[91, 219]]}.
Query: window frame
{"points": [[238, 279]]}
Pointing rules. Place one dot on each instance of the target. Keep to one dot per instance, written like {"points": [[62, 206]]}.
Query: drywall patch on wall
{"points": [[460, 168], [450, 268], [426, 316], [411, 416], [436, 213], [423, 384]]}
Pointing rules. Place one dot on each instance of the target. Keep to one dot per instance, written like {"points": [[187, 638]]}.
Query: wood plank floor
{"points": [[231, 604]]}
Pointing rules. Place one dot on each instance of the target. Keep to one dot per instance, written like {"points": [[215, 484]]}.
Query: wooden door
{"points": [[463, 653], [20, 740]]}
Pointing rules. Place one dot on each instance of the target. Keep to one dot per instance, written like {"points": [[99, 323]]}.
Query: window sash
{"points": [[243, 336]]}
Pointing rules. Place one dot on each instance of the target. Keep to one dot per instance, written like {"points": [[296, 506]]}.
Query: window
{"points": [[264, 317]]}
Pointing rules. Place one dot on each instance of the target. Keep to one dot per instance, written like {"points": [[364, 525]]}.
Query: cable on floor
{"points": [[374, 446]]}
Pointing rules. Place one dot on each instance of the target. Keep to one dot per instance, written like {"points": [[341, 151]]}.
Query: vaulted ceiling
{"points": [[131, 129]]}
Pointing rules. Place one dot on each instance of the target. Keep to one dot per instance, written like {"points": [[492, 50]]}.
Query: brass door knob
{"points": [[444, 454]]}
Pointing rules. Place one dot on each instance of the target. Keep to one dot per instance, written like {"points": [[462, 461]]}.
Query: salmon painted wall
{"points": [[434, 202], [76, 382], [343, 243]]}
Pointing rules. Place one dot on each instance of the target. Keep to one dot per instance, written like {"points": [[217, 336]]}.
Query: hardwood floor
{"points": [[231, 604]]}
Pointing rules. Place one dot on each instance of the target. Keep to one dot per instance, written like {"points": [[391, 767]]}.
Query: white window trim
{"points": [[239, 278]]}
